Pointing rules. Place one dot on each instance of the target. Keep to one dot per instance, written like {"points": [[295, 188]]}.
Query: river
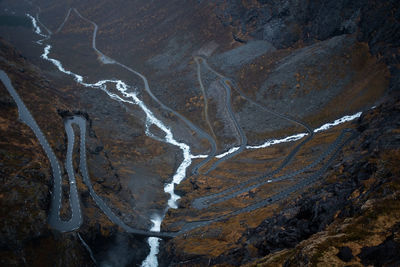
{"points": [[129, 96]]}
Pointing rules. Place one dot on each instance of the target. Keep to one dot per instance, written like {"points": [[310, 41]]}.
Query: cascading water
{"points": [[131, 98], [154, 242], [128, 95]]}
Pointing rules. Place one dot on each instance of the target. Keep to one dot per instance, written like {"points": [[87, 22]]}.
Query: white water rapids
{"points": [[151, 259], [131, 98], [128, 95], [296, 137]]}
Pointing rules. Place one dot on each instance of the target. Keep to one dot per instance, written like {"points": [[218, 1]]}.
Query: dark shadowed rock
{"points": [[345, 254], [385, 254]]}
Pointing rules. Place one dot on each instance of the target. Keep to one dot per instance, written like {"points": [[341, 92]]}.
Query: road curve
{"points": [[76, 218], [54, 216], [280, 195], [200, 132], [202, 202], [239, 131], [203, 90], [81, 123], [64, 21], [285, 117]]}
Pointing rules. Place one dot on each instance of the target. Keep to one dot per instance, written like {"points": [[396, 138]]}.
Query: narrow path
{"points": [[44, 26], [49, 32], [65, 20], [87, 248], [205, 98]]}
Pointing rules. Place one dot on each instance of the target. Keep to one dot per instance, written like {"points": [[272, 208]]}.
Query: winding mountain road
{"points": [[233, 191], [76, 218], [282, 116], [108, 60], [239, 131], [205, 98], [81, 122], [284, 193], [205, 201], [54, 216]]}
